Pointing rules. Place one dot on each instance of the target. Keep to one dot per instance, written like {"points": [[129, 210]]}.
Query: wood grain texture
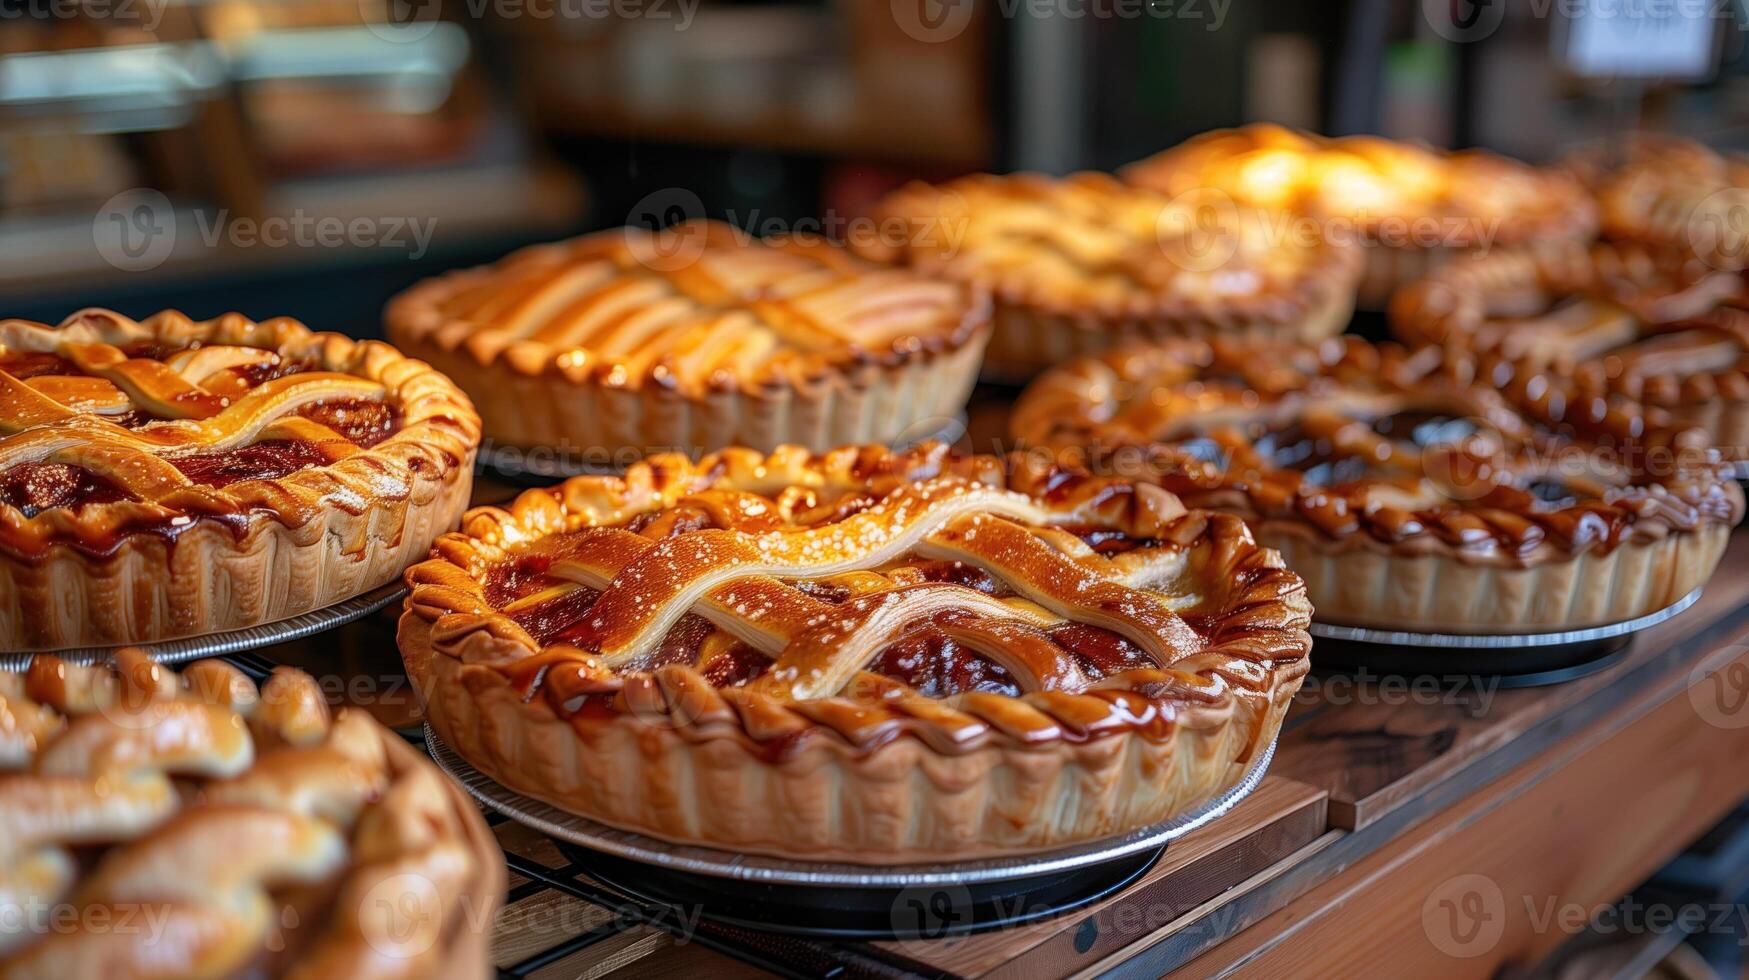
{"points": [[1374, 744], [1483, 885]]}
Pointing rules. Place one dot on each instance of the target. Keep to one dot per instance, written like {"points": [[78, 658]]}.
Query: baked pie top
{"points": [[1370, 445], [862, 595], [1596, 333], [1086, 244], [1672, 193], [111, 427], [178, 825], [1370, 180], [699, 307]]}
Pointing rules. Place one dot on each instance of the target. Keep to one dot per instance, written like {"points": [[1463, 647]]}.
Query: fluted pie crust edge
{"points": [[1362, 568], [540, 396], [682, 762], [301, 542]]}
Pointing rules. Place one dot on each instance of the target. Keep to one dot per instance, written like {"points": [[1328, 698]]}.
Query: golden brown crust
{"points": [[238, 831], [1609, 339], [871, 771], [174, 557], [1671, 193], [1081, 262], [694, 338], [1417, 512], [1413, 206]]}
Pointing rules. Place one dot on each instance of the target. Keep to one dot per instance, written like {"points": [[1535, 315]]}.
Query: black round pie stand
{"points": [[840, 912], [1520, 667], [1514, 660]]}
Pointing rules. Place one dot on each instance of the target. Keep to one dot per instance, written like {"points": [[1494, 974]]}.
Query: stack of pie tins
{"points": [[1412, 491]]}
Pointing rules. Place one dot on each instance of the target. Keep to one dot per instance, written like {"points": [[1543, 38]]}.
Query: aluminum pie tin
{"points": [[553, 464], [234, 641], [1503, 641], [582, 831]]}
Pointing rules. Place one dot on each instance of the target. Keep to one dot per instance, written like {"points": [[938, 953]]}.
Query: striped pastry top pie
{"points": [[694, 333], [1389, 479], [155, 824], [125, 445], [1367, 180], [1616, 336], [863, 655]]}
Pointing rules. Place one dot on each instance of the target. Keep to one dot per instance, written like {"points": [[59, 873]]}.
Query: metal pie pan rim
{"points": [[513, 461], [233, 641], [586, 833], [1502, 641]]}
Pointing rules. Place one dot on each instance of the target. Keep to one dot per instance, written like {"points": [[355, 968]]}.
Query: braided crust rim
{"points": [[255, 551], [533, 394], [1449, 308], [849, 780], [289, 803], [1036, 325], [1068, 412]]}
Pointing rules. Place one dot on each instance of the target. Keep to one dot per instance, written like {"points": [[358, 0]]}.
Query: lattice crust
{"points": [[1372, 446], [1081, 262], [143, 464], [162, 825], [1605, 337], [1491, 200], [962, 635], [696, 336]]}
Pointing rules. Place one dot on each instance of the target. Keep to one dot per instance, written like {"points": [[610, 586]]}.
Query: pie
{"points": [[866, 656], [1410, 206], [1672, 193], [170, 478], [694, 338], [1408, 495], [1606, 334], [1079, 263], [162, 825]]}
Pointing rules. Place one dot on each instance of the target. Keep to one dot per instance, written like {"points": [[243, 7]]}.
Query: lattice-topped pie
{"points": [[863, 656], [1616, 336], [1413, 207], [694, 338], [171, 478], [1083, 262], [1407, 495], [162, 825]]}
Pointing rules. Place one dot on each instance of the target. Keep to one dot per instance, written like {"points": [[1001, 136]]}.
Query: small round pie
{"points": [[155, 824], [1611, 335], [1406, 495], [1411, 206], [1082, 262], [172, 478], [863, 656], [630, 342]]}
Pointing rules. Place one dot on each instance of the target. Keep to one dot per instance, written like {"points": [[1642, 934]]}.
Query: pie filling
{"points": [[926, 658]]}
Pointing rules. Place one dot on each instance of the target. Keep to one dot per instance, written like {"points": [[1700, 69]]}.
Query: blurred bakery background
{"points": [[312, 157]]}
